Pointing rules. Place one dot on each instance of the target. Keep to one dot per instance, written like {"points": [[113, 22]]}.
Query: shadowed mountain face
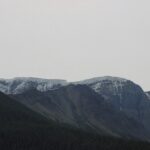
{"points": [[14, 113], [124, 95], [80, 106], [23, 129]]}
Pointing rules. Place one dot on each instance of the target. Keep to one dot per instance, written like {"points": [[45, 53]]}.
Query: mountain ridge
{"points": [[62, 100], [47, 84], [20, 84]]}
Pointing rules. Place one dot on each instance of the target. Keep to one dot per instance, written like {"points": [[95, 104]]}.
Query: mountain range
{"points": [[107, 105]]}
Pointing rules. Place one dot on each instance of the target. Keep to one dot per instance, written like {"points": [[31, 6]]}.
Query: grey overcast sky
{"points": [[75, 39]]}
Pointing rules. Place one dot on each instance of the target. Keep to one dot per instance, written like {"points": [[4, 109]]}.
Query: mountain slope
{"points": [[12, 112], [124, 95], [80, 106], [23, 129]]}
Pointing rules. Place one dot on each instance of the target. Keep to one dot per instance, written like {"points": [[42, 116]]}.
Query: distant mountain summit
{"points": [[124, 94], [97, 79], [108, 84], [22, 84]]}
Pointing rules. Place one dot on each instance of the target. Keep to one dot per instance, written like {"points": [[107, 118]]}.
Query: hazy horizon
{"points": [[75, 40]]}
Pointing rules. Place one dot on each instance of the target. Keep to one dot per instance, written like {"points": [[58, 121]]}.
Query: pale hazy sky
{"points": [[75, 39]]}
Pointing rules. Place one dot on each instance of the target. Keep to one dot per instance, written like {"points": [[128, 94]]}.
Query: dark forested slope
{"points": [[23, 129]]}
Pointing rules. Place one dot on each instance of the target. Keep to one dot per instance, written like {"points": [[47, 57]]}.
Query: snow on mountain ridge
{"points": [[21, 84], [105, 78], [113, 84], [148, 95], [31, 79], [114, 88], [123, 94]]}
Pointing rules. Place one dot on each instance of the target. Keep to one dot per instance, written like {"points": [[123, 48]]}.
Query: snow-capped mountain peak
{"points": [[21, 84], [100, 79], [122, 93], [109, 83]]}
